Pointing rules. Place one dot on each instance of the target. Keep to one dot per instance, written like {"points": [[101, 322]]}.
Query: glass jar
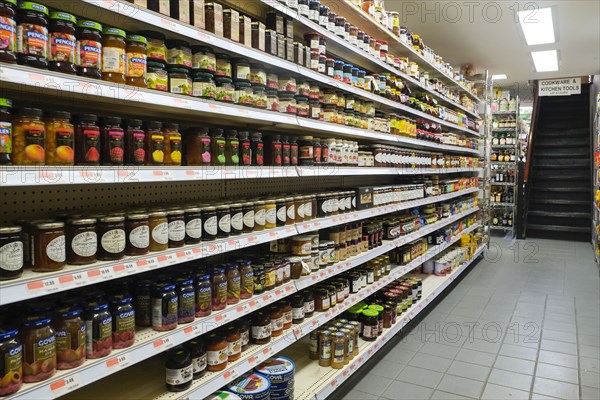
{"points": [[137, 232], [259, 278], [225, 90], [203, 295], [193, 225], [177, 228], [155, 143], [223, 221], [244, 94], [81, 241], [259, 215], [98, 338], [113, 55], [272, 100], [156, 49], [5, 128], [172, 144], [244, 153], [244, 333], [219, 289], [111, 237], [164, 307], [204, 86], [179, 369], [247, 279], [62, 42], [260, 97], [241, 70], [59, 139], [180, 81], [39, 350], [204, 59], [257, 149], [11, 357], [70, 338], [305, 150], [261, 328], [248, 211], [7, 51], [112, 141], [234, 342], [88, 57], [123, 322], [135, 66], [11, 252], [47, 243], [276, 320], [179, 53], [302, 107], [186, 300], [233, 283], [258, 74], [28, 132], [142, 301], [223, 65], [32, 37], [209, 220], [197, 348], [157, 77], [197, 143]]}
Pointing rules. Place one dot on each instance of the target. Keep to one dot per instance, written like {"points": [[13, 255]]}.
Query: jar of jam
{"points": [[219, 289], [193, 224], [113, 55], [11, 359], [98, 321], [179, 369], [244, 333], [81, 241], [11, 252], [32, 37], [157, 77], [123, 318], [39, 350], [135, 64], [309, 303], [204, 86], [88, 56], [248, 217], [225, 90], [261, 328], [176, 220], [180, 81], [237, 219], [112, 141], [233, 283], [234, 342], [9, 34], [28, 137], [286, 309], [270, 214], [203, 296], [197, 348], [243, 94], [305, 150], [159, 230], [172, 144], [204, 59], [259, 215], [223, 65], [110, 231], [186, 300], [165, 303], [223, 221], [155, 143], [257, 149], [302, 107], [47, 243], [156, 49], [142, 301], [216, 351], [247, 279], [209, 221], [62, 42], [137, 232], [370, 323], [5, 128], [179, 53], [259, 278]]}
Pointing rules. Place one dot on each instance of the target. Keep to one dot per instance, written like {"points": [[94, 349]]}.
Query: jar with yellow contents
{"points": [[29, 133], [172, 144], [60, 138]]}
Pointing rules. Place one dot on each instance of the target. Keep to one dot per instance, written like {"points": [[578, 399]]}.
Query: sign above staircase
{"points": [[559, 87]]}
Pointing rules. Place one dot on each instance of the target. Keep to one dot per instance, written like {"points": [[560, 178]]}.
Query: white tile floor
{"points": [[523, 324]]}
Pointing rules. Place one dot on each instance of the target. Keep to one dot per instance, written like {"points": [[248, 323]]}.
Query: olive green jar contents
{"points": [[180, 81], [204, 85]]}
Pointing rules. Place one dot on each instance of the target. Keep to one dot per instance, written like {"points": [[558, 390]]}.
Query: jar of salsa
{"points": [[123, 318], [172, 144], [87, 140], [112, 141], [81, 241], [179, 369], [39, 350], [28, 137], [110, 231], [155, 143], [59, 141], [32, 34], [88, 56], [234, 342], [11, 359], [8, 32], [98, 334], [113, 55], [62, 42], [186, 303], [135, 66], [159, 230], [261, 328], [165, 303], [137, 232], [219, 289], [47, 243], [203, 296], [135, 139], [216, 351]]}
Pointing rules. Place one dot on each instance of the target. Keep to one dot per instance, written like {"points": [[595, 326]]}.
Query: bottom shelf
{"points": [[315, 382]]}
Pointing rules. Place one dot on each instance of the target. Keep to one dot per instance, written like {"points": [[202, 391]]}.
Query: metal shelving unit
{"points": [[596, 178]]}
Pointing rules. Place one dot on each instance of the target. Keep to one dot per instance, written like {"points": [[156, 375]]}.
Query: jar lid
{"points": [[87, 118], [156, 64], [171, 125], [86, 23], [222, 55], [223, 79], [240, 61], [152, 35], [111, 120], [153, 125], [176, 68], [175, 43], [121, 299], [63, 16], [137, 38], [37, 323], [8, 332], [203, 75], [157, 213], [114, 32], [111, 218], [165, 287], [210, 208], [30, 5], [81, 221], [175, 211], [49, 225], [184, 281], [243, 84], [137, 216], [134, 122], [192, 209], [376, 307], [306, 138], [370, 313], [36, 112], [10, 229], [202, 49]]}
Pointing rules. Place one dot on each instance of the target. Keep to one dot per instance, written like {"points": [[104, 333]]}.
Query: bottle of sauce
{"points": [[32, 34], [62, 42], [135, 67], [88, 55], [113, 55]]}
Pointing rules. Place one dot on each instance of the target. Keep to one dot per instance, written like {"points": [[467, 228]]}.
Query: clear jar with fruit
{"points": [[70, 338], [39, 350], [29, 138]]}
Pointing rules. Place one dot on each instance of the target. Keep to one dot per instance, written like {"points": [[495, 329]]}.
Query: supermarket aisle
{"points": [[533, 307]]}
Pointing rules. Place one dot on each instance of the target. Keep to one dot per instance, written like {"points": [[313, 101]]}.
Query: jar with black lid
{"points": [[179, 369], [259, 278], [193, 225], [286, 150], [309, 302], [204, 59], [260, 97], [11, 252], [225, 90], [209, 223], [179, 53], [237, 218], [32, 38], [157, 76], [180, 81], [7, 13], [223, 221], [241, 69], [110, 231], [62, 42], [244, 94], [197, 348]]}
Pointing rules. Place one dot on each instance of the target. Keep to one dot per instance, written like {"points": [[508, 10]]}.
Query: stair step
{"points": [[580, 229], [558, 220], [564, 162], [562, 133], [564, 142], [560, 174], [572, 189], [550, 153], [560, 202], [559, 214]]}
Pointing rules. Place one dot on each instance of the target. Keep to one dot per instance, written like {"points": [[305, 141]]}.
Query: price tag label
{"points": [[193, 330], [50, 285], [119, 362], [130, 268], [163, 344], [119, 269], [107, 273], [241, 309], [64, 385], [252, 360], [268, 351], [162, 259]]}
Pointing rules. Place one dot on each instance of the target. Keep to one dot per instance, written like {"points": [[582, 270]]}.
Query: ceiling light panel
{"points": [[545, 61], [537, 26], [499, 77]]}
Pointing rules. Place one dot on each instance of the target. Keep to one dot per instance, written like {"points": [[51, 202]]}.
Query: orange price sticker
{"points": [[180, 254], [119, 268], [239, 309], [278, 292], [251, 360], [93, 273], [272, 234], [35, 285], [266, 297], [219, 317], [252, 303], [65, 279], [157, 173], [141, 263]]}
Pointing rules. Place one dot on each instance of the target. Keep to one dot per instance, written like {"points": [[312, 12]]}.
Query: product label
{"points": [[204, 89], [62, 47], [325, 350], [225, 223], [288, 317], [277, 324], [207, 62], [55, 250], [234, 347], [187, 303], [113, 241], [164, 311], [307, 209], [8, 34], [136, 65], [259, 217], [370, 331], [160, 233], [194, 228], [179, 376], [44, 349], [5, 135], [11, 256], [125, 321], [176, 231], [34, 137], [303, 9], [64, 145], [309, 307], [245, 337], [89, 54], [139, 153], [261, 332], [115, 146], [158, 80], [338, 353], [350, 344], [140, 237], [32, 40], [199, 364], [271, 216], [217, 357], [219, 150], [210, 226], [325, 302], [291, 212], [91, 145], [249, 219], [281, 214], [181, 86], [85, 244], [298, 313], [113, 60], [323, 20], [237, 221]]}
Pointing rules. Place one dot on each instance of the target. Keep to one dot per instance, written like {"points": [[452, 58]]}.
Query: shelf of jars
{"points": [[400, 44], [34, 284], [314, 382], [357, 55], [105, 95], [150, 342], [255, 354], [130, 17], [500, 205]]}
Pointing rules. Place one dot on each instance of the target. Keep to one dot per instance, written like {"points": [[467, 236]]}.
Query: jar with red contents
{"points": [[274, 151], [112, 141]]}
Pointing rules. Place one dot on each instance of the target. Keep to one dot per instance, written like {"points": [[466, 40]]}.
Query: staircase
{"points": [[560, 204]]}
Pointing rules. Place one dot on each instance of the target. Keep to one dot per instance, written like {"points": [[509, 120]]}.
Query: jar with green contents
{"points": [[156, 47], [224, 90], [204, 85], [244, 95], [179, 53], [157, 76], [204, 59], [223, 65], [260, 96], [232, 147], [180, 81], [217, 147]]}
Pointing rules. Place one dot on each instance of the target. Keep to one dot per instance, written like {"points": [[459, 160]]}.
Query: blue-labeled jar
{"points": [[338, 70], [347, 77], [186, 302], [123, 318], [164, 307], [203, 297]]}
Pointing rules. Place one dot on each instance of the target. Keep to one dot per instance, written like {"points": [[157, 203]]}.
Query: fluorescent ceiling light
{"points": [[545, 61], [499, 77], [537, 26]]}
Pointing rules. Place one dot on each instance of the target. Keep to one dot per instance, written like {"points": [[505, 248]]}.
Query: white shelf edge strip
{"points": [[23, 175], [33, 285], [94, 370]]}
